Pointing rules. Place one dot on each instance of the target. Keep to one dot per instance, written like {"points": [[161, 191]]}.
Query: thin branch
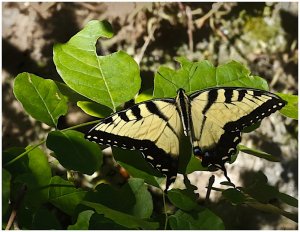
{"points": [[165, 211], [13, 214], [190, 27]]}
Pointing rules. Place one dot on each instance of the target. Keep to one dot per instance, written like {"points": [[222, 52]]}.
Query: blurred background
{"points": [[262, 36]]}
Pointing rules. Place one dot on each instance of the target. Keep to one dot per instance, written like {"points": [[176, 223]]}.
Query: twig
{"points": [[215, 7], [190, 27], [139, 57]]}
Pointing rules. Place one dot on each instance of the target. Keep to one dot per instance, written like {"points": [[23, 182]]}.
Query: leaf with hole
{"points": [[109, 80]]}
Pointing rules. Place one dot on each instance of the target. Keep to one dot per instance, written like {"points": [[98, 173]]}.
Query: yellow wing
{"points": [[153, 127], [220, 114]]}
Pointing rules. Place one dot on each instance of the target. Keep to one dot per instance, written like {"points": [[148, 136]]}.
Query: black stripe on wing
{"points": [[264, 110], [157, 157]]}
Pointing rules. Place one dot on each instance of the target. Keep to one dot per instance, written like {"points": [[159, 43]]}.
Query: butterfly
{"points": [[213, 120]]}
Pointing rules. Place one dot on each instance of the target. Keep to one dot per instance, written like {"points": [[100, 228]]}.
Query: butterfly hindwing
{"points": [[153, 127], [220, 114]]}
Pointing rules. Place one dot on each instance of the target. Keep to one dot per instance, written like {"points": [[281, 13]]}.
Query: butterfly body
{"points": [[213, 119]]}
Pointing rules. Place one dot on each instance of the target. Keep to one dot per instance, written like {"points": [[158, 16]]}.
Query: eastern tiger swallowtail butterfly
{"points": [[213, 119]]}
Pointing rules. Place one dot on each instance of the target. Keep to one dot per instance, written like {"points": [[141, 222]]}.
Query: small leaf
{"points": [[272, 209], [182, 199], [197, 220], [288, 199], [74, 152], [94, 109], [123, 219], [109, 80], [143, 206], [291, 109], [64, 195], [45, 220], [40, 98], [257, 153], [234, 196], [6, 177], [83, 221]]}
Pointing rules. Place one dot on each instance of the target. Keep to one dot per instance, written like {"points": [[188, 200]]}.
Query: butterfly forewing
{"points": [[220, 114], [153, 127]]}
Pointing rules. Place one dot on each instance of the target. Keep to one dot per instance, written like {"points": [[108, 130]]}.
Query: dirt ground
{"points": [[262, 36]]}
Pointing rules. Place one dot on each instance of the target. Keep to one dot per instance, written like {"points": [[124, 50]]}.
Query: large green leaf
{"points": [[83, 221], [194, 76], [74, 152], [64, 195], [202, 219], [6, 177], [109, 80], [121, 218], [291, 109], [40, 98]]}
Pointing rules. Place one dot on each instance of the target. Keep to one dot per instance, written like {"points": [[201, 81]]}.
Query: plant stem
{"points": [[165, 210]]}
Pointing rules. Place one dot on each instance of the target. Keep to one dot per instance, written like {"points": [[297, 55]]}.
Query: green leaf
{"points": [[70, 94], [109, 80], [6, 177], [45, 220], [74, 152], [291, 109], [123, 219], [182, 199], [94, 109], [198, 220], [19, 166], [37, 178], [144, 96], [99, 222], [257, 153], [200, 75], [143, 206], [64, 195], [234, 196], [137, 166], [118, 199], [269, 208], [288, 199], [40, 98], [83, 221]]}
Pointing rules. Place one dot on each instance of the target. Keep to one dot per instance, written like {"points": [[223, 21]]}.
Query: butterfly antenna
{"points": [[176, 87]]}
